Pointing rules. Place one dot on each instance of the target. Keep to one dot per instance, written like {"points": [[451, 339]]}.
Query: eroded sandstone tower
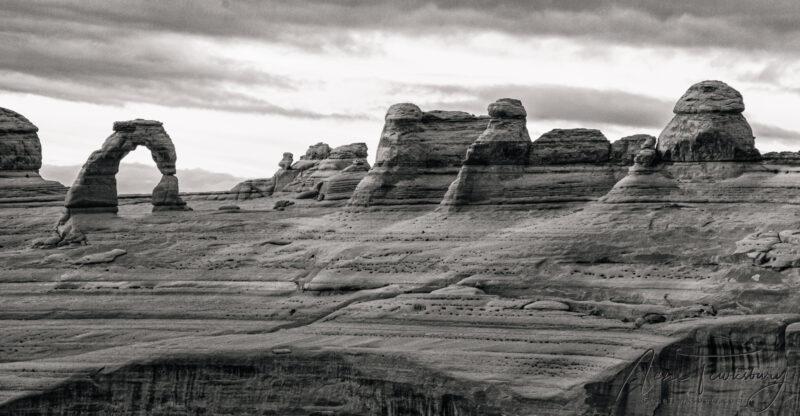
{"points": [[21, 159]]}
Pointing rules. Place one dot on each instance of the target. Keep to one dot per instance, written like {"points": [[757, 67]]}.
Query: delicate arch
{"points": [[95, 188]]}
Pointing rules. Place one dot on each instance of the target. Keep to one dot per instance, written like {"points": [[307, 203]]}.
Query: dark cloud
{"points": [[140, 178], [552, 102], [728, 23], [123, 51]]}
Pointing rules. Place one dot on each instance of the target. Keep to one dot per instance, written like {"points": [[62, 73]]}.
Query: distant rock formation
{"points": [[21, 159], [419, 155], [503, 166], [708, 127], [314, 172], [707, 154], [321, 173], [95, 189]]}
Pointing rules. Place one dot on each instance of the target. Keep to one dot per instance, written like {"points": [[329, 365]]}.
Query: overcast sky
{"points": [[237, 83]]}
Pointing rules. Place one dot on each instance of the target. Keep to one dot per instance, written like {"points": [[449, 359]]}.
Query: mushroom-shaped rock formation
{"points": [[708, 126], [95, 189], [707, 154], [21, 159], [418, 156]]}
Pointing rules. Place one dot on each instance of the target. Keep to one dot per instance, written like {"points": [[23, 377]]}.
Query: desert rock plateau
{"points": [[468, 270]]}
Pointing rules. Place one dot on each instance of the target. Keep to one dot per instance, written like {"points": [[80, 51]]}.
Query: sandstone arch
{"points": [[95, 188]]}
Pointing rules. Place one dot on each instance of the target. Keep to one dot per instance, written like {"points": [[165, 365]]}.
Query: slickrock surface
{"points": [[20, 160], [95, 188], [300, 307], [418, 156], [708, 126], [315, 309]]}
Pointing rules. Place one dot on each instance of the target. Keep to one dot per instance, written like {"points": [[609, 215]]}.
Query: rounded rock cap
{"points": [[13, 122], [131, 125], [404, 111], [710, 97], [507, 108]]}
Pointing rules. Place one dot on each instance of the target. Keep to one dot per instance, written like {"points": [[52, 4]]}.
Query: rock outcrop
{"points": [[263, 187], [570, 146], [624, 150], [707, 154], [343, 184], [314, 172], [95, 189], [419, 155], [497, 158], [503, 166], [21, 159], [708, 127]]}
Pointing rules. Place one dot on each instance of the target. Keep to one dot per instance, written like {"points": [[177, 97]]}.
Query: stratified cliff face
{"points": [[564, 165], [20, 160], [419, 155], [283, 383]]}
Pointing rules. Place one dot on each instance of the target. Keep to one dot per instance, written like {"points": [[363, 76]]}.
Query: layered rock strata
{"points": [[503, 166], [707, 154], [708, 127], [95, 188], [314, 172], [21, 159], [419, 155]]}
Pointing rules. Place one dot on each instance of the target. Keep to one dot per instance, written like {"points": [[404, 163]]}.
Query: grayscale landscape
{"points": [[458, 262]]}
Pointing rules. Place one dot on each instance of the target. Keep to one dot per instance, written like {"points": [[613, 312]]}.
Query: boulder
{"points": [[708, 126], [418, 156], [570, 146], [286, 161], [317, 151], [20, 160]]}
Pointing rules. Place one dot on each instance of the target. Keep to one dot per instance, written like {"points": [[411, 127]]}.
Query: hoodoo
{"points": [[21, 159], [708, 127], [707, 153], [419, 155], [503, 166]]}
